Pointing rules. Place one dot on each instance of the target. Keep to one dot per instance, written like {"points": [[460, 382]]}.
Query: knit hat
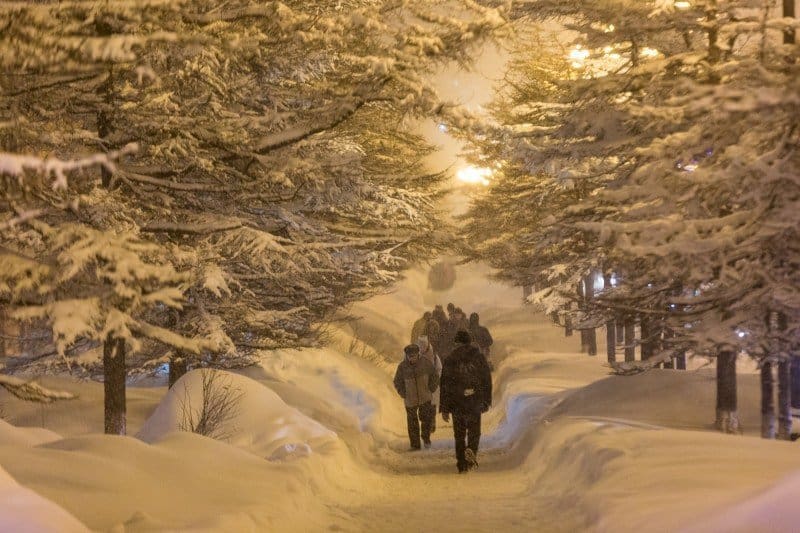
{"points": [[463, 337]]}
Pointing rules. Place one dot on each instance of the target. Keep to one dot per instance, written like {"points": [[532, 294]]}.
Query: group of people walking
{"points": [[446, 369], [441, 329]]}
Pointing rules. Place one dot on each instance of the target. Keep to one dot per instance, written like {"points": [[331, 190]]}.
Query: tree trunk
{"points": [[788, 11], [630, 339], [727, 416], [611, 345], [795, 371], [784, 400], [568, 320], [114, 385], [177, 368], [591, 333], [620, 330], [584, 340], [767, 401], [666, 344], [646, 333], [680, 360]]}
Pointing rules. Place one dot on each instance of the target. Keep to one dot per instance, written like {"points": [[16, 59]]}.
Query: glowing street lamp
{"points": [[474, 175]]}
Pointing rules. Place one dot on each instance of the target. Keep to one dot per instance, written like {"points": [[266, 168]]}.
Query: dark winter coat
{"points": [[416, 382], [466, 383], [480, 336], [455, 324]]}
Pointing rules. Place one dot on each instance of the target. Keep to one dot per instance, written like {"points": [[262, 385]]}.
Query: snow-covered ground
{"points": [[318, 443]]}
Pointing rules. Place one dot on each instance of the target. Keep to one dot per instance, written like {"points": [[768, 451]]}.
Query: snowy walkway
{"points": [[421, 490]]}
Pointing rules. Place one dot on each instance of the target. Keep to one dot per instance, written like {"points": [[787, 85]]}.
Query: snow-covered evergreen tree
{"points": [[276, 178], [659, 158]]}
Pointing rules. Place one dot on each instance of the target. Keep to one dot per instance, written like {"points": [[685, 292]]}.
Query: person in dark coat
{"points": [[439, 341], [480, 336], [466, 393], [450, 330], [415, 381]]}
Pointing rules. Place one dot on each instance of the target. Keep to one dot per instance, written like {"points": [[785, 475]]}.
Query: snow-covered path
{"points": [[421, 490]]}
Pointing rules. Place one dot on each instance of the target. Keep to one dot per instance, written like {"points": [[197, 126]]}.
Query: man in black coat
{"points": [[466, 386]]}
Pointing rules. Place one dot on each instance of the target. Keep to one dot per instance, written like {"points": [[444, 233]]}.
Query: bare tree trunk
{"points": [[4, 331], [727, 414], [611, 345], [784, 400], [680, 360], [620, 330], [630, 338], [114, 385], [788, 11], [177, 368], [568, 320], [591, 333], [646, 333], [767, 401]]}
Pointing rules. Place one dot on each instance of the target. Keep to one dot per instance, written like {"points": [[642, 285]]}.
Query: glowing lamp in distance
{"points": [[474, 175]]}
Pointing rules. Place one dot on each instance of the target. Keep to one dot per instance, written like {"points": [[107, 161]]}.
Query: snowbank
{"points": [[260, 423], [24, 511], [11, 435]]}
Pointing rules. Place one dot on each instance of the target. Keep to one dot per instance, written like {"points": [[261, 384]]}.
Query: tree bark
{"points": [[568, 320], [611, 345], [591, 333], [178, 366], [795, 371], [647, 337], [680, 360], [767, 401], [114, 385], [630, 338], [784, 400], [620, 330], [727, 416], [527, 291], [788, 11]]}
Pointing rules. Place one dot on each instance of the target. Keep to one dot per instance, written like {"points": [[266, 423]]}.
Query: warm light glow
{"points": [[578, 55], [649, 52], [682, 5], [472, 174]]}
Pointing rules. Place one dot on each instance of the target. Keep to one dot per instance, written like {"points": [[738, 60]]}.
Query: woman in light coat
{"points": [[426, 351]]}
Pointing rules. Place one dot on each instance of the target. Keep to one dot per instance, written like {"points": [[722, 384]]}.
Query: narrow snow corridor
{"points": [[421, 490]]}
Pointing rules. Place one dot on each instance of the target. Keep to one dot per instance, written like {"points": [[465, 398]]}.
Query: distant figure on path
{"points": [[440, 340], [415, 381], [426, 351], [466, 393], [420, 326], [481, 337]]}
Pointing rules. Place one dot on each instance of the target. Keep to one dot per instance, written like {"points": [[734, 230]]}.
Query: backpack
{"points": [[467, 373]]}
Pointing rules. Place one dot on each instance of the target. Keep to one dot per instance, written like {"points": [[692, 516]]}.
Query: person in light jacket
{"points": [[415, 381], [427, 351]]}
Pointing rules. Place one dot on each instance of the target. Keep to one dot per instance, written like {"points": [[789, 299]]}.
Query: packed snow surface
{"points": [[318, 442]]}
